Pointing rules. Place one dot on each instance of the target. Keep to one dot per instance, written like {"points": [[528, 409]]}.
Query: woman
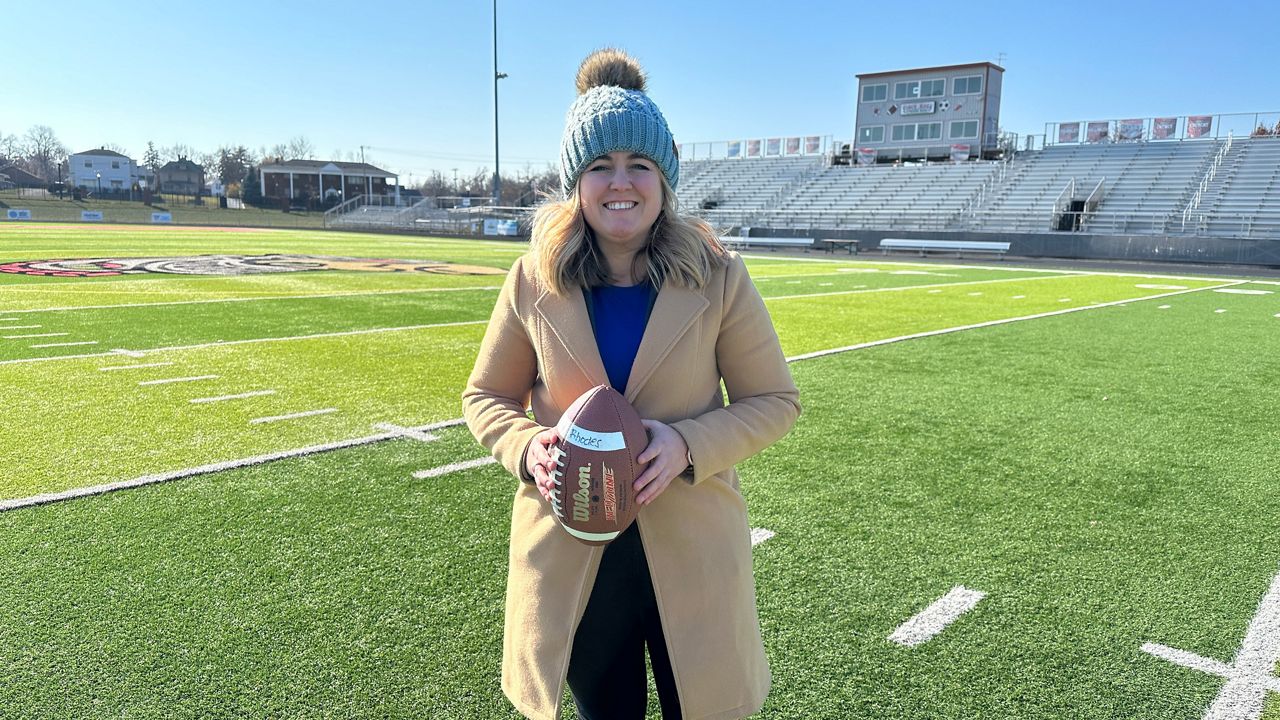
{"points": [[619, 288]]}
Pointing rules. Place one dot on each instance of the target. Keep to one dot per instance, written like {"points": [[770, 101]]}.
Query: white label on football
{"points": [[592, 440]]}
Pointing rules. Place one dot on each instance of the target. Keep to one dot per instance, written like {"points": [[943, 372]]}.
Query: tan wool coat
{"points": [[539, 352]]}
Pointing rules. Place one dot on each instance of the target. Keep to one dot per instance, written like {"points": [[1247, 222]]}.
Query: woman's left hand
{"points": [[666, 457]]}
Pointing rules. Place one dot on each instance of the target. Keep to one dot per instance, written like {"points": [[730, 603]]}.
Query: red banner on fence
{"points": [[1069, 132], [1097, 131], [1199, 125]]}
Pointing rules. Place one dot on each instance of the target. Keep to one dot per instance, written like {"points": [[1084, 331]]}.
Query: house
{"points": [[100, 169], [181, 176], [323, 180], [18, 177]]}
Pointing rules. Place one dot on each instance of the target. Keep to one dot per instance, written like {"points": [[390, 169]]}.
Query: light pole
{"points": [[497, 177], [99, 182]]}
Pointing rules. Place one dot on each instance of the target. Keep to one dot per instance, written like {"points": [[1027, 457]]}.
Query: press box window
{"points": [[906, 90], [933, 88], [964, 129], [904, 132], [871, 134], [875, 93], [971, 85], [929, 131]]}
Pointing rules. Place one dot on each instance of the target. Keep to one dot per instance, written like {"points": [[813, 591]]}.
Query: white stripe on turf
{"points": [[239, 396], [358, 293], [454, 467], [1251, 676], [127, 353], [66, 344], [134, 367], [166, 381], [20, 327], [992, 323], [1007, 268], [759, 535], [407, 432], [201, 346], [46, 498], [924, 625], [901, 288], [292, 416], [35, 335]]}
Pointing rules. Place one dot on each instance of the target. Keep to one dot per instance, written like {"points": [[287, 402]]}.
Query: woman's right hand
{"points": [[540, 461]]}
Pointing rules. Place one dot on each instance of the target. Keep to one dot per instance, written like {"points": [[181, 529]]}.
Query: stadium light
{"points": [[497, 177]]}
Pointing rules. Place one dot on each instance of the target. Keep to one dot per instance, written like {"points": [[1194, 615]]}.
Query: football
{"points": [[600, 438]]}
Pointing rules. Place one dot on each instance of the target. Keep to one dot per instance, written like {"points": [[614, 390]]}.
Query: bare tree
{"points": [[280, 150], [177, 152], [300, 148], [43, 151], [116, 147], [10, 148]]}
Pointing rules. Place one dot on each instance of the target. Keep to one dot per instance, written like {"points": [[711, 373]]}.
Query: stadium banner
{"points": [[1069, 132], [1164, 128], [1097, 131], [773, 147], [793, 146], [90, 215], [918, 108], [735, 149], [959, 153], [812, 145], [508, 228], [18, 214], [1130, 130], [866, 156], [161, 217], [1199, 125], [753, 148]]}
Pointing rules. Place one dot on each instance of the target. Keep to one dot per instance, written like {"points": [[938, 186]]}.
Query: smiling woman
{"points": [[620, 289]]}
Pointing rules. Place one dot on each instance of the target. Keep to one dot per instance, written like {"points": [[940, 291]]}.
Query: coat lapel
{"points": [[673, 314], [566, 315]]}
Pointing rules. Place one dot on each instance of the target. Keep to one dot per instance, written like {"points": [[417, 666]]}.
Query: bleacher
{"points": [[726, 189], [1243, 199]]}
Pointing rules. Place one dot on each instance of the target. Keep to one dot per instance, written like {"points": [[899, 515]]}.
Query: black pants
{"points": [[606, 669]]}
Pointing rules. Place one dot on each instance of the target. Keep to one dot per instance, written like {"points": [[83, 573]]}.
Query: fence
{"points": [[1162, 129]]}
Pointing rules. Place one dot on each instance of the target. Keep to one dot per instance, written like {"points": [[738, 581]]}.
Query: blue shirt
{"points": [[618, 319]]}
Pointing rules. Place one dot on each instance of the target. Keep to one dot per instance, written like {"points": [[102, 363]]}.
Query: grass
{"points": [[1105, 476]]}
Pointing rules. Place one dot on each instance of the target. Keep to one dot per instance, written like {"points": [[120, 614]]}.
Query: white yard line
{"points": [[166, 381], [140, 353], [238, 396], [66, 344], [1252, 674], [454, 467], [206, 469], [900, 288], [486, 288], [410, 433], [292, 416], [923, 626], [35, 335], [8, 319], [21, 327], [134, 367], [990, 323], [759, 535]]}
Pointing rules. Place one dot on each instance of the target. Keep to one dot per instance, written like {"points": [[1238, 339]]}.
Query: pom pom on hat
{"points": [[613, 113]]}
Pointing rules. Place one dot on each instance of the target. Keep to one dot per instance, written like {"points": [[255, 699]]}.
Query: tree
{"points": [[249, 190], [300, 148], [233, 163], [10, 148], [43, 151], [280, 150], [177, 152], [151, 158], [116, 147]]}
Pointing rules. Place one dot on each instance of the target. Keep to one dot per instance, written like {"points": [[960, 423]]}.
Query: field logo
{"points": [[235, 265]]}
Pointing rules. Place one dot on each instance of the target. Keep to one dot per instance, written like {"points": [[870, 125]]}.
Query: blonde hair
{"points": [[682, 250]]}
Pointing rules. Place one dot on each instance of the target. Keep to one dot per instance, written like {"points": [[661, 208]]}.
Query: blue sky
{"points": [[412, 80]]}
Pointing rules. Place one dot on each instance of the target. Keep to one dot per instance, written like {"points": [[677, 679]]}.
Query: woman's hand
{"points": [[540, 460], [666, 457]]}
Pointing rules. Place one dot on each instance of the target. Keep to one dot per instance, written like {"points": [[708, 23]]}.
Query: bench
{"points": [[959, 247], [773, 243], [833, 243]]}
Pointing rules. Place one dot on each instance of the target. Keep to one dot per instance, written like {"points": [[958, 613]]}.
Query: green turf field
{"points": [[1094, 453]]}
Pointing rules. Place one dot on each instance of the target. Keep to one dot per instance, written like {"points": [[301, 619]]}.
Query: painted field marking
{"points": [[238, 396], [989, 323], [201, 346], [759, 535], [1219, 311], [1064, 299], [133, 367], [974, 294], [1164, 307], [793, 282], [1251, 676], [21, 327], [931, 292], [166, 381], [292, 416], [1233, 291], [901, 288], [46, 498], [66, 344], [1019, 297], [825, 284], [454, 467], [407, 432], [927, 623], [128, 353], [35, 335], [8, 319], [1151, 286], [1009, 268], [356, 293]]}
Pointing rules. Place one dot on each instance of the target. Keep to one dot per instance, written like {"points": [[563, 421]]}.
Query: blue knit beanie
{"points": [[613, 113]]}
